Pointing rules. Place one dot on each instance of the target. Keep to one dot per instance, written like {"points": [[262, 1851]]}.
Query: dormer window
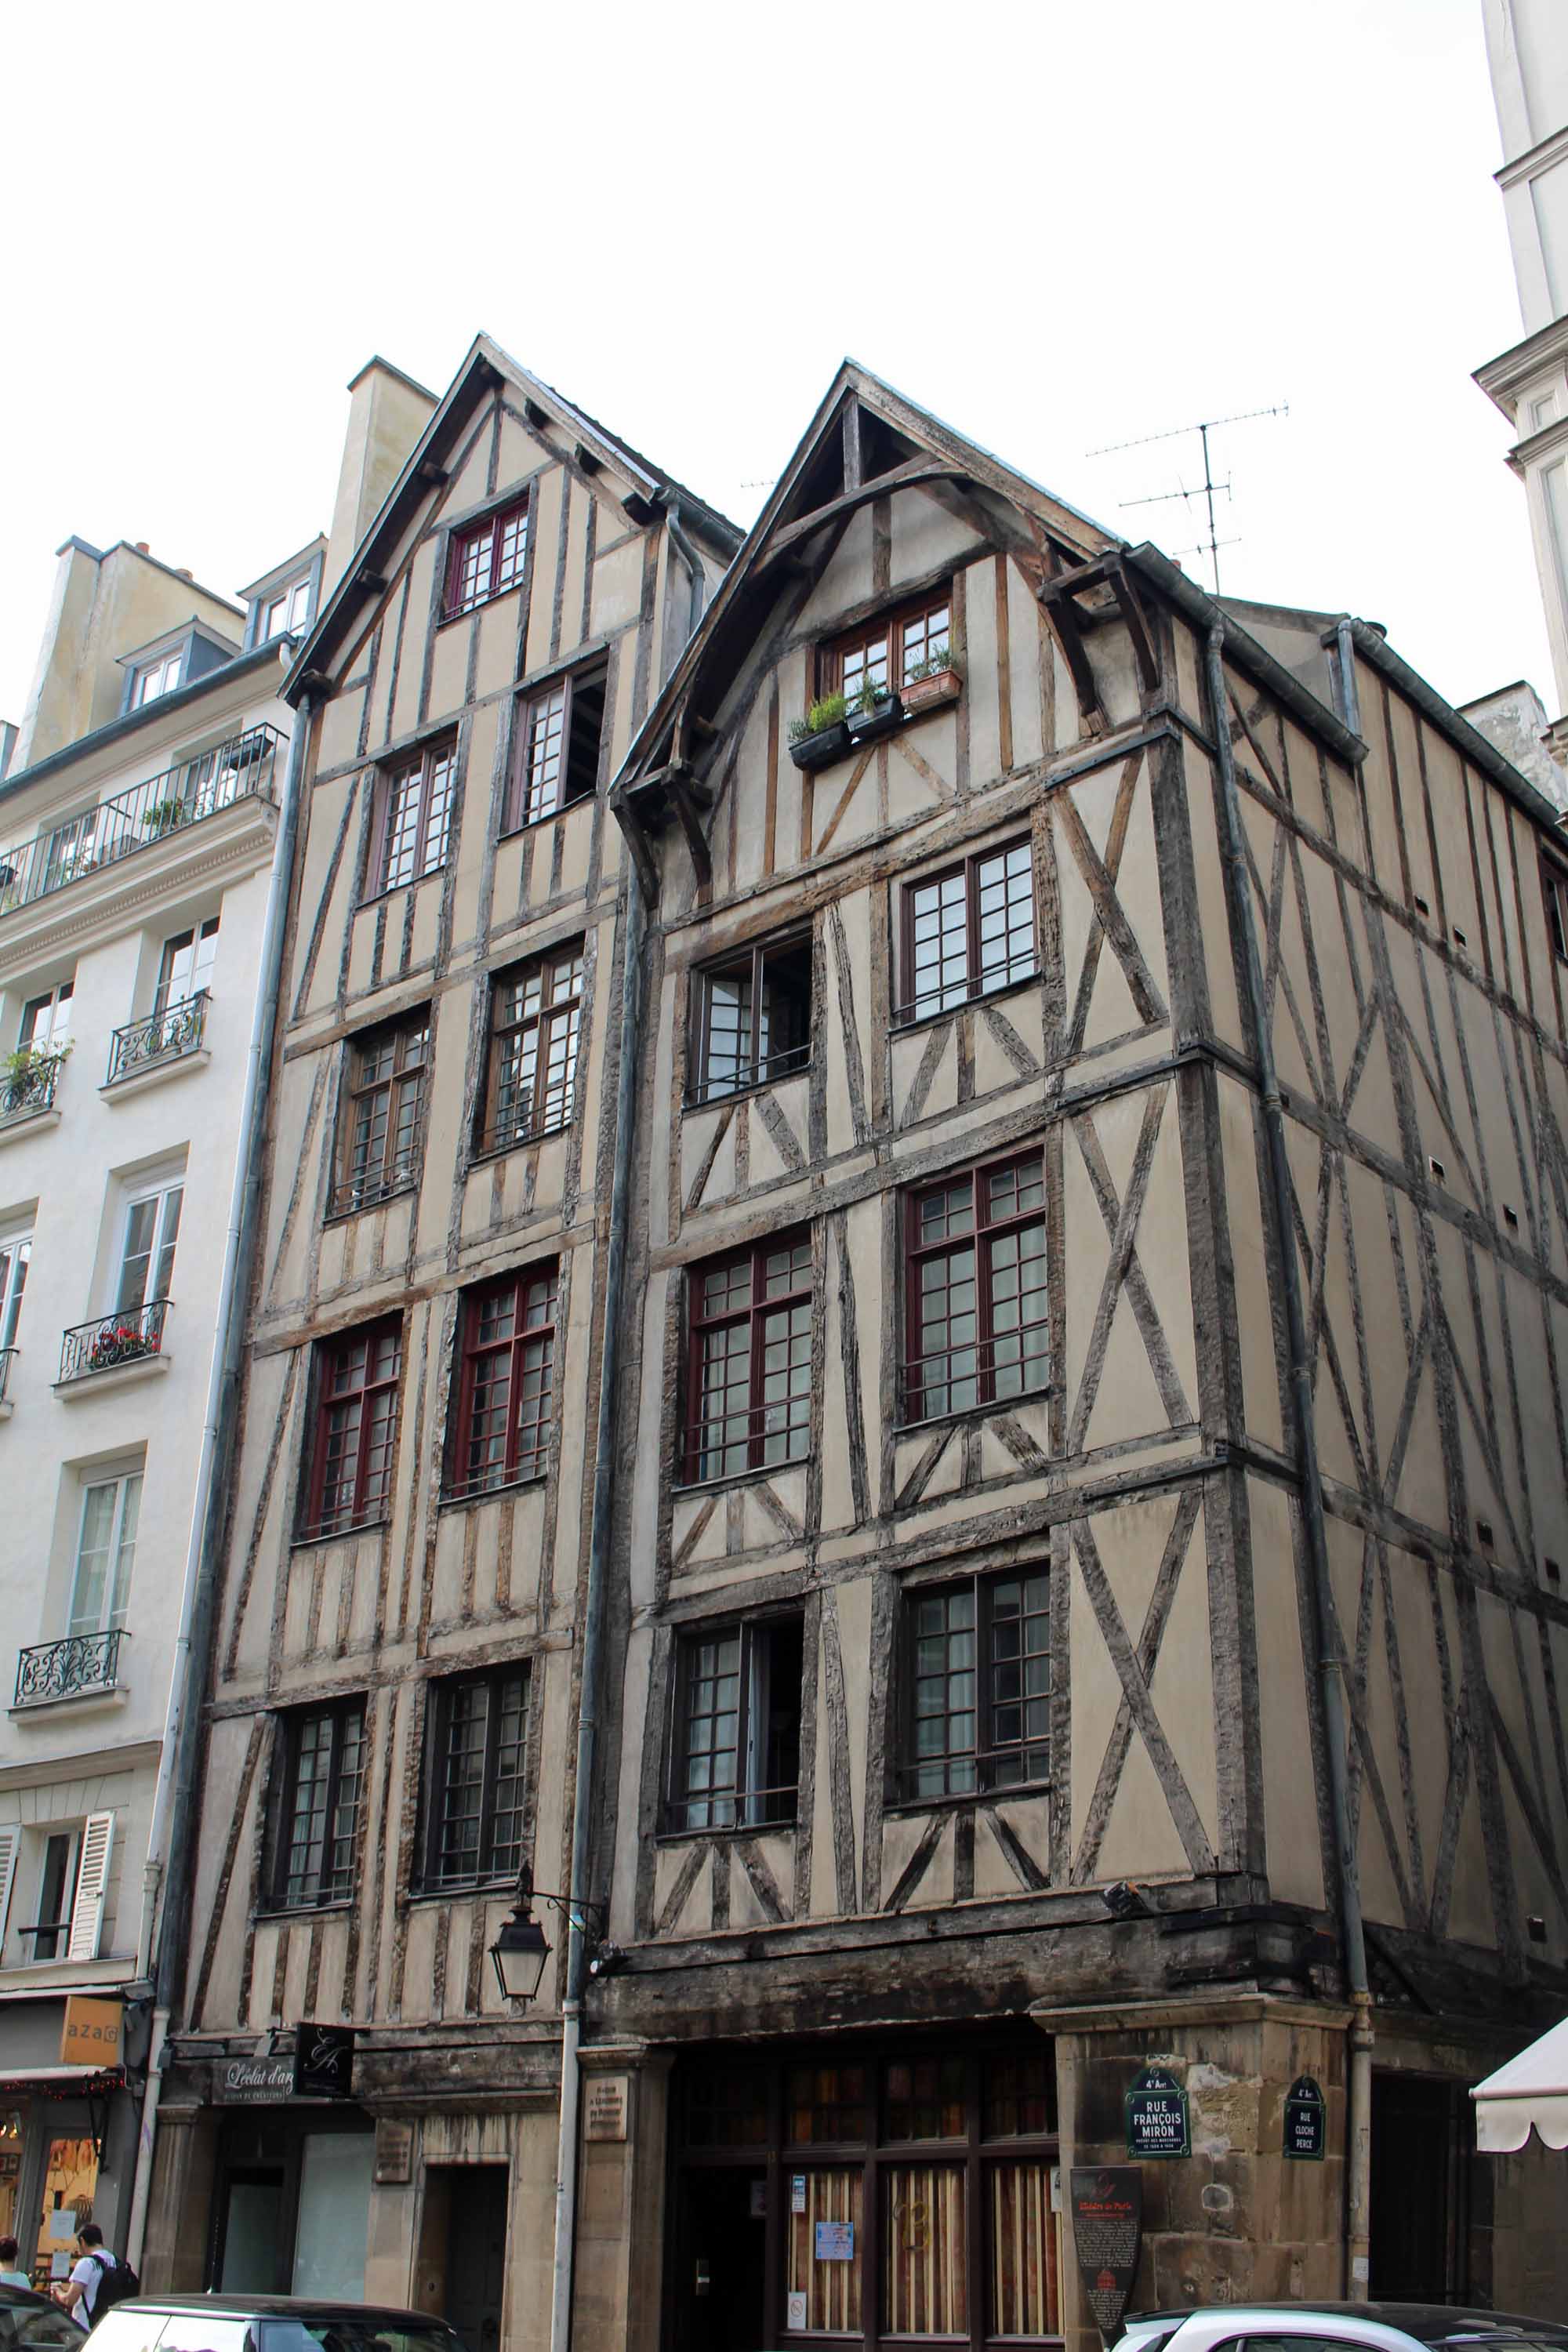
{"points": [[157, 677], [486, 558], [288, 613]]}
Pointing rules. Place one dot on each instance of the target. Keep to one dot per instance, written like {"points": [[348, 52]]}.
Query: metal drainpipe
{"points": [[1330, 1661], [173, 1803], [692, 561], [594, 1624]]}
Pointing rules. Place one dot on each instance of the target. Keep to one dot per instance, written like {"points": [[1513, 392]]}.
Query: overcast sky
{"points": [[1057, 226]]}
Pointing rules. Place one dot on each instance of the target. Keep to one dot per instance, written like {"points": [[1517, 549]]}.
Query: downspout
{"points": [[1330, 1659], [173, 1803], [692, 561], [579, 1888]]}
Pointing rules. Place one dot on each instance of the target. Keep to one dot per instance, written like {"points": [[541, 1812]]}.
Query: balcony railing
{"points": [[1008, 1366], [527, 1114], [30, 1089], [135, 820], [160, 1037], [112, 1340], [81, 1663], [740, 1077], [373, 1185], [7, 1360]]}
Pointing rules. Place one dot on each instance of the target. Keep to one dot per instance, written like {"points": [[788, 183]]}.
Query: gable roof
{"points": [[486, 365]]}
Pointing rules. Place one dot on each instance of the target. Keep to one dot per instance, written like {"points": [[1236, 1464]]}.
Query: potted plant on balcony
{"points": [[821, 737], [935, 681], [28, 1077], [875, 712], [163, 817], [121, 1341]]}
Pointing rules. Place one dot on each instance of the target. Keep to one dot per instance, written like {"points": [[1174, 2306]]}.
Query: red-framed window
{"points": [[976, 1303], [486, 558], [506, 1382], [735, 1747], [477, 1776], [380, 1125], [321, 1784], [1554, 889], [413, 819], [749, 1359], [348, 1480], [531, 1069], [889, 652], [967, 931], [751, 1018], [555, 747], [977, 1685]]}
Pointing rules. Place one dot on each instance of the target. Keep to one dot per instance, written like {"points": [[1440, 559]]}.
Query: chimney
{"points": [[141, 546], [388, 413]]}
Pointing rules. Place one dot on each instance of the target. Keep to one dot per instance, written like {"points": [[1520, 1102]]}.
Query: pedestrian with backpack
{"points": [[96, 2279]]}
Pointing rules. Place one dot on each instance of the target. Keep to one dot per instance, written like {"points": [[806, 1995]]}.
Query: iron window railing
{"points": [[162, 1037], [110, 1341], [159, 805], [31, 1090], [7, 1358], [70, 1668]]}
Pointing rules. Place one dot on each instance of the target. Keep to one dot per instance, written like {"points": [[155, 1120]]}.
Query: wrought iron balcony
{"points": [[7, 1359], [162, 1037], [135, 820], [112, 1340], [30, 1087], [77, 1667]]}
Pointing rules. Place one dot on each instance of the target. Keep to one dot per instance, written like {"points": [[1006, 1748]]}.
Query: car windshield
{"points": [[35, 2327], [368, 2335]]}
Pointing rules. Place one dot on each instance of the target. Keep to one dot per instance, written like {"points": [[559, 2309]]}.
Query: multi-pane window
{"points": [[555, 747], [735, 1750], [531, 1075], [379, 1125], [105, 1553], [158, 679], [15, 1258], [1554, 885], [319, 1792], [505, 1382], [978, 1666], [147, 1254], [186, 967], [976, 1311], [752, 1018], [968, 930], [749, 1364], [47, 1020], [475, 1810], [487, 559], [889, 651], [288, 613], [348, 1481], [414, 819]]}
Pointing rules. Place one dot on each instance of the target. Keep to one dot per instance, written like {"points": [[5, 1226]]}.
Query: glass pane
{"points": [[94, 1549], [1005, 894], [333, 2215], [925, 2098], [924, 2271], [826, 2104], [938, 926], [823, 2254], [943, 1698], [16, 1256], [1021, 2286], [727, 1059]]}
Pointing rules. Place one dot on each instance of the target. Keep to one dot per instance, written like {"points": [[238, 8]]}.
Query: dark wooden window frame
{"points": [[492, 1135], [514, 816], [983, 1585], [351, 1193], [491, 527], [1554, 893], [431, 1879], [515, 1469], [285, 1787], [698, 1324], [891, 622], [740, 1796], [388, 782], [976, 2150], [908, 1012], [366, 1511], [764, 1070], [982, 1237]]}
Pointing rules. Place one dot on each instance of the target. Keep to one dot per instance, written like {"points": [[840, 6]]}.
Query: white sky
{"points": [[1055, 224]]}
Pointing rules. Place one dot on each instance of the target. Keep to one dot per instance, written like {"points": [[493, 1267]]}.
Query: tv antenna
{"points": [[1205, 490]]}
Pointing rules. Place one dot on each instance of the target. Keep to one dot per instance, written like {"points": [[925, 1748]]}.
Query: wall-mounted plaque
{"points": [[609, 2098], [324, 2061], [1156, 2110], [1306, 2120], [252, 2082], [393, 2151], [1107, 2227]]}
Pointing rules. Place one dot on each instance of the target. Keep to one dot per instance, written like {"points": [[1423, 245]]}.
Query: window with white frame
{"points": [[66, 1865], [157, 677], [105, 1553], [288, 613], [15, 1256], [47, 1019], [48, 1932], [186, 967], [147, 1249]]}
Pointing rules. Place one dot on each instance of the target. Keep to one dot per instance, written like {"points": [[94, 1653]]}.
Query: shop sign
{"points": [[1156, 2110], [1106, 2229], [393, 2151], [1306, 2115], [609, 2095], [323, 2062], [251, 2082], [89, 2035], [836, 2242]]}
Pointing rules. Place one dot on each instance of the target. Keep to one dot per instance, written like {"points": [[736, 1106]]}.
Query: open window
{"points": [[734, 1749], [751, 1017], [555, 747]]}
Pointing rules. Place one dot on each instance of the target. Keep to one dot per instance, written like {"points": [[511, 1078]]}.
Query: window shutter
{"points": [[92, 1879], [10, 1840]]}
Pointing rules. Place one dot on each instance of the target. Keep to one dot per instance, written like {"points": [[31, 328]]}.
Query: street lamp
{"points": [[520, 1949]]}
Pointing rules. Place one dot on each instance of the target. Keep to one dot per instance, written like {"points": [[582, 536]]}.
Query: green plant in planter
{"points": [[163, 817], [829, 710], [936, 662]]}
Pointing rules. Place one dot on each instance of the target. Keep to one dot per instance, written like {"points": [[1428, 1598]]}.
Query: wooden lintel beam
{"points": [[1137, 628], [852, 443], [685, 808], [912, 471], [1063, 618]]}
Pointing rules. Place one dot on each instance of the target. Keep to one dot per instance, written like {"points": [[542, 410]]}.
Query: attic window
{"points": [[287, 613], [486, 558], [159, 678], [889, 652]]}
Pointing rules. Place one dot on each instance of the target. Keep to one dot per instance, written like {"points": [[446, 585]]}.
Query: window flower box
{"points": [[931, 689], [822, 735], [874, 716]]}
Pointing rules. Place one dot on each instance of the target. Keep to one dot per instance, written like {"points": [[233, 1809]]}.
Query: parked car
{"points": [[1339, 2327], [265, 2323], [31, 2323]]}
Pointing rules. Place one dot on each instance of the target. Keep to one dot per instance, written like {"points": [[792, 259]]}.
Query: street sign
{"points": [[1107, 2226], [1306, 2119], [1156, 2110]]}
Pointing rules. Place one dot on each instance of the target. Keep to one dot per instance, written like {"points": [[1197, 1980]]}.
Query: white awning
{"points": [[1531, 2093]]}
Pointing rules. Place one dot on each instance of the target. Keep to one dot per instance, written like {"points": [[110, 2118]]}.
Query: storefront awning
{"points": [[1530, 2094]]}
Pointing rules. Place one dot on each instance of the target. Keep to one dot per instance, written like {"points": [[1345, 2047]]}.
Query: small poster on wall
{"points": [[795, 2309], [836, 2242]]}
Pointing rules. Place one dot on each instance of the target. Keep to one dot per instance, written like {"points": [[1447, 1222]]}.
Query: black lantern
{"points": [[520, 1952]]}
